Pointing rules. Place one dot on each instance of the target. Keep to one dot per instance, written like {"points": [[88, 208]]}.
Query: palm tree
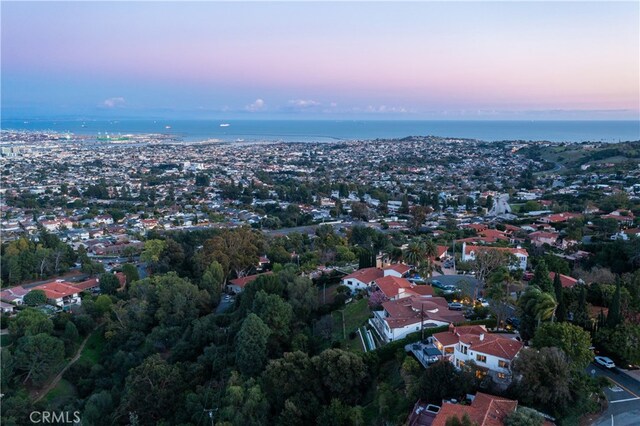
{"points": [[545, 308], [430, 249], [414, 253], [425, 267]]}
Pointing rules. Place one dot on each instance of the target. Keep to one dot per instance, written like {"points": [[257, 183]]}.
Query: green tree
{"points": [[543, 379], [37, 356], [623, 340], [561, 310], [415, 253], [213, 280], [152, 251], [442, 380], [150, 390], [571, 339], [541, 277], [103, 304], [35, 298], [131, 272], [109, 283], [523, 416], [274, 311], [251, 346], [342, 375], [615, 316], [98, 409], [30, 322]]}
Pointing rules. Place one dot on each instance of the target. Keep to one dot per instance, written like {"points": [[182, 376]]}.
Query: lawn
{"points": [[356, 314], [93, 349]]}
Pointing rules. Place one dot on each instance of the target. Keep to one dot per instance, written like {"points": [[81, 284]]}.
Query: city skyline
{"points": [[309, 60]]}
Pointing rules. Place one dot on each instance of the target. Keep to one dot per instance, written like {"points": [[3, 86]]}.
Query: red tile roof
{"points": [[485, 410], [57, 290], [398, 267], [406, 311], [493, 344], [243, 281], [391, 285], [365, 275], [452, 336], [470, 248], [565, 280]]}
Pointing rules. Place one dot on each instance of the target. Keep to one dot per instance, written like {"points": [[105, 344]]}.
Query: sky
{"points": [[379, 60]]}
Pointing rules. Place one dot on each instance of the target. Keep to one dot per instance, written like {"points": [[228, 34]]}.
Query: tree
{"points": [[488, 260], [414, 253], [543, 379], [523, 416], [615, 316], [541, 277], [274, 311], [98, 409], [418, 216], [37, 356], [561, 310], [237, 250], [213, 280], [545, 307], [103, 304], [150, 389], [571, 339], [251, 346], [623, 341], [109, 283], [131, 272], [35, 298], [30, 322], [285, 377], [152, 251], [342, 375], [442, 380]]}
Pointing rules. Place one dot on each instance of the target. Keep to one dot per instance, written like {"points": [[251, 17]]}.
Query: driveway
{"points": [[224, 305], [623, 396]]}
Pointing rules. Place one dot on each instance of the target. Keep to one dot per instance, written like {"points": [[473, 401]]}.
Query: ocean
{"points": [[334, 130]]}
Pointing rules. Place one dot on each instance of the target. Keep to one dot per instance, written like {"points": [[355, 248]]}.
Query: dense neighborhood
{"points": [[418, 281]]}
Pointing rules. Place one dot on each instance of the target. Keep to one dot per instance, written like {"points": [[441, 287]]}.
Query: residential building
{"points": [[237, 285], [469, 253], [484, 410]]}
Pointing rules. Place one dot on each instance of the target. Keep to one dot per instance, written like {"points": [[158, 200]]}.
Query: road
{"points": [[623, 396]]}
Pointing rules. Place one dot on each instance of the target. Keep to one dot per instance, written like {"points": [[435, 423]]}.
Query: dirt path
{"points": [[40, 394]]}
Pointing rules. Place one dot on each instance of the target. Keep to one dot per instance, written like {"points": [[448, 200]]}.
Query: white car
{"points": [[605, 362]]}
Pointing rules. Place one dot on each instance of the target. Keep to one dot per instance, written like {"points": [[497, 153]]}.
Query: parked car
{"points": [[455, 306], [605, 362], [482, 302], [436, 283]]}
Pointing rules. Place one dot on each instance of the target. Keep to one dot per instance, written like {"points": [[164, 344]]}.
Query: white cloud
{"points": [[303, 103], [257, 105], [116, 102]]}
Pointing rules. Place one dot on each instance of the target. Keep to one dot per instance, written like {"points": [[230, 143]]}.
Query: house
{"points": [[105, 219], [362, 278], [560, 217], [469, 254], [396, 288], [565, 280], [484, 410], [237, 285], [491, 353], [442, 252], [14, 295], [624, 217], [539, 238], [396, 270], [403, 316], [7, 308], [60, 293]]}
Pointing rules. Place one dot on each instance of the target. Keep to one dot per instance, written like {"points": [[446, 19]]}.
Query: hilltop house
{"points": [[484, 410], [407, 315], [363, 279], [469, 253], [60, 293], [492, 353]]}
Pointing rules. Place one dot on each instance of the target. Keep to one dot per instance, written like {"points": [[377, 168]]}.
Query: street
{"points": [[623, 396]]}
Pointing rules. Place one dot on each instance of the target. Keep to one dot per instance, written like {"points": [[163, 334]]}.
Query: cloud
{"points": [[257, 105], [303, 103], [116, 102], [385, 108]]}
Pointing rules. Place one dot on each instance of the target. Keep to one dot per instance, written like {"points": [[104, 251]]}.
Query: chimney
{"points": [[481, 337]]}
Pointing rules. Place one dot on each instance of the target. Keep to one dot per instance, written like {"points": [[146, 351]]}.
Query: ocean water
{"points": [[334, 130]]}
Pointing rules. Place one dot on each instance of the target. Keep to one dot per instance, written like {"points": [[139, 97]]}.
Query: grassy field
{"points": [[356, 314], [93, 348]]}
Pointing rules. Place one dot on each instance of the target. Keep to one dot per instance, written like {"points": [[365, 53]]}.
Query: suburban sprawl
{"points": [[421, 281]]}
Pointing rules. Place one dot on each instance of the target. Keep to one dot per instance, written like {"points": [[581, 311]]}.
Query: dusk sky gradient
{"points": [[431, 60]]}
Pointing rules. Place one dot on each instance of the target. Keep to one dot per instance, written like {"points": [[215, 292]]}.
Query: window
{"points": [[502, 376], [448, 350], [480, 374], [503, 364], [481, 358], [463, 349]]}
